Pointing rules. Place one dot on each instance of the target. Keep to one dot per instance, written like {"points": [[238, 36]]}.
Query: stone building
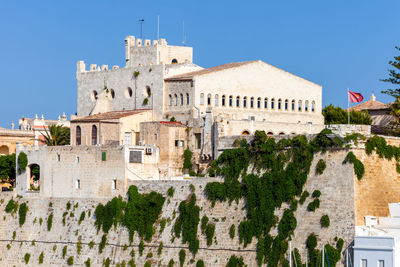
{"points": [[10, 137]]}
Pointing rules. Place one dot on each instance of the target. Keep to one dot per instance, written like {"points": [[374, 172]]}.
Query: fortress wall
{"points": [[335, 183]]}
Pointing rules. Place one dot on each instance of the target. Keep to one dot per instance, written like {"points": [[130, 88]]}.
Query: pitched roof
{"points": [[112, 115], [190, 75], [370, 105]]}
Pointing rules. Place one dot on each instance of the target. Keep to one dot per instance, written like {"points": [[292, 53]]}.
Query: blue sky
{"points": [[337, 44]]}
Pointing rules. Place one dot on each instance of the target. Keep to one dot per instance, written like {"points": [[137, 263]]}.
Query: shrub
{"points": [[325, 222], [170, 192], [54, 248], [171, 263], [187, 159], [23, 208], [8, 246], [22, 161], [11, 206], [79, 246], [27, 256], [87, 262], [187, 223], [215, 191], [141, 248], [70, 260], [131, 263], [14, 235], [354, 137], [145, 101], [147, 264], [149, 255], [91, 244], [163, 222], [303, 197], [312, 206], [64, 251], [200, 263], [102, 243], [49, 222], [41, 257], [107, 262], [160, 248], [357, 165], [316, 193], [235, 262], [321, 165], [232, 231], [68, 205], [182, 256], [82, 217], [337, 115]]}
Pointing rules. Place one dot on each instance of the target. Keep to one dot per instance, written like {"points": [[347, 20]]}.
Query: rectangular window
{"points": [[176, 143], [77, 159], [58, 157], [137, 138], [381, 263], [197, 142], [128, 137], [78, 184], [114, 184], [181, 143], [363, 263], [103, 156], [135, 156]]}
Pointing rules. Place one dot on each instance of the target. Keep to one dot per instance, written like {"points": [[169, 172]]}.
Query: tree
{"points": [[7, 168], [337, 115], [394, 77], [56, 135]]}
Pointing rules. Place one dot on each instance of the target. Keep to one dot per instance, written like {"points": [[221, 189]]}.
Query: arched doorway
{"points": [[4, 150], [245, 132], [34, 177]]}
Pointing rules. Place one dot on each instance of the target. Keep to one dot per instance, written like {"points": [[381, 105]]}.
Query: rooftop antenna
{"points": [[141, 21], [183, 33], [158, 27]]}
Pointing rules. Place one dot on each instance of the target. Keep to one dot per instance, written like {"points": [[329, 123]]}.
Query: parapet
{"points": [[81, 67], [132, 41]]}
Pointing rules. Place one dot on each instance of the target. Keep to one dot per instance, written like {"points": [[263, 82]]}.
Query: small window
{"points": [[112, 93], [176, 99], [181, 143], [58, 157], [252, 102], [381, 263], [128, 92], [273, 103], [293, 105], [170, 100], [245, 102], [78, 135], [286, 104], [259, 102], [238, 101], [230, 101], [197, 143], [223, 101], [313, 106], [174, 61], [114, 184], [279, 104], [364, 263], [77, 159], [266, 103], [103, 156], [245, 133], [78, 184], [94, 135], [209, 100], [181, 100], [216, 100], [306, 106], [299, 106], [176, 143], [201, 99], [187, 99]]}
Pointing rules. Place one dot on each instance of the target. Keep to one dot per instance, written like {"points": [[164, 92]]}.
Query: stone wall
{"points": [[343, 129], [336, 185]]}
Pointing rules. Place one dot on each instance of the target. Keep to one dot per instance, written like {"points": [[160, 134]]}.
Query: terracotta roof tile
{"points": [[209, 70], [112, 115], [370, 105]]}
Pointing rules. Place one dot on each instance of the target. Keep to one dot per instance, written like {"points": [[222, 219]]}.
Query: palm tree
{"points": [[56, 135]]}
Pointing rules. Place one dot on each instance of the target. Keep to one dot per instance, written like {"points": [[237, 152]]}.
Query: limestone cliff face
{"points": [[343, 198]]}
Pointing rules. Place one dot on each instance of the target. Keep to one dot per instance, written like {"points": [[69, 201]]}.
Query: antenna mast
{"points": [[141, 21], [158, 27], [183, 33]]}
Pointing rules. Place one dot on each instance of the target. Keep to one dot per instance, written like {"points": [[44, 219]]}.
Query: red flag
{"points": [[355, 97]]}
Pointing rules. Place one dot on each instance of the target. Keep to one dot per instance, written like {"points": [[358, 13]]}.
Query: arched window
{"points": [[174, 61], [286, 104], [245, 132], [128, 92], [181, 99], [306, 106], [259, 102], [176, 99], [293, 105], [299, 106], [245, 102], [266, 103], [78, 135], [279, 104], [230, 101], [252, 102], [112, 93], [94, 135], [170, 100], [238, 101], [313, 106], [273, 103], [216, 100], [223, 101], [187, 98], [201, 99], [209, 100]]}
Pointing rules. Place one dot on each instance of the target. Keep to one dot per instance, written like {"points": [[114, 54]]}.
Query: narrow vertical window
{"points": [[279, 104], [313, 106], [201, 99], [209, 100], [273, 103], [216, 100], [245, 102], [259, 102], [306, 106], [187, 98], [293, 105], [94, 135], [176, 99], [230, 101], [170, 100], [252, 102], [238, 101], [300, 106], [78, 184], [78, 135], [223, 101], [114, 184], [266, 103], [181, 100], [286, 104]]}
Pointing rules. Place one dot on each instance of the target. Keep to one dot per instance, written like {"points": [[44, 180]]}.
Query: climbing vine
{"points": [[358, 166]]}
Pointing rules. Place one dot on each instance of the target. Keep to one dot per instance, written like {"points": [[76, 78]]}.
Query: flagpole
{"points": [[348, 106]]}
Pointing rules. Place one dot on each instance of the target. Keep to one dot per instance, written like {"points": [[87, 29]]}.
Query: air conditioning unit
{"points": [[142, 143], [149, 151]]}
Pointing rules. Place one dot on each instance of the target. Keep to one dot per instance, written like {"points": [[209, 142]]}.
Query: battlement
{"points": [[138, 42], [81, 67]]}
